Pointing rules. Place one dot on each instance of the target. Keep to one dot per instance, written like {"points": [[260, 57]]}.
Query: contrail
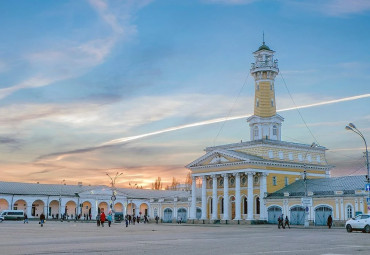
{"points": [[207, 122]]}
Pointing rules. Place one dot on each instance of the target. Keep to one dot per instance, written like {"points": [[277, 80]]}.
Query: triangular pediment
{"points": [[217, 157]]}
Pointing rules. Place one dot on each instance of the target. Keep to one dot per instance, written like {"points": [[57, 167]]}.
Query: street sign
{"points": [[367, 187], [306, 201]]}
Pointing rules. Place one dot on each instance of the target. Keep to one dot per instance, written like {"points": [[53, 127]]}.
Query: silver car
{"points": [[361, 222]]}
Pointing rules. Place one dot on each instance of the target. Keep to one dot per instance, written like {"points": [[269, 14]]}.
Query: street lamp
{"points": [[113, 182], [307, 201], [353, 128]]}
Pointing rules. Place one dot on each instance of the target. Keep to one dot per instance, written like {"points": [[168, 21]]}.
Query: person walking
{"points": [[156, 219], [102, 219], [329, 222], [25, 218], [287, 221], [133, 220], [126, 220], [109, 219], [98, 220], [42, 219]]}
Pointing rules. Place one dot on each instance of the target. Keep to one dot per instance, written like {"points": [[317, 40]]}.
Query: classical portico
{"points": [[220, 184]]}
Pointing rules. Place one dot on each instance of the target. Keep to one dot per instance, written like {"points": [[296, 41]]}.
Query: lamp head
{"points": [[348, 128], [351, 125]]}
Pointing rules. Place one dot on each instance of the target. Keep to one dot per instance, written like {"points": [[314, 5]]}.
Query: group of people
{"points": [[283, 222], [132, 219], [101, 218]]}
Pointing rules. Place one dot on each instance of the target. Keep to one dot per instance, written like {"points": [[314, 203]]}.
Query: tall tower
{"points": [[265, 123]]}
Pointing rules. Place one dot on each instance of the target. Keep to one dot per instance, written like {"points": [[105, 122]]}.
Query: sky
{"points": [[144, 86]]}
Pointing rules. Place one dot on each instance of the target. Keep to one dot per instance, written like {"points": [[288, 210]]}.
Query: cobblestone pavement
{"points": [[87, 238]]}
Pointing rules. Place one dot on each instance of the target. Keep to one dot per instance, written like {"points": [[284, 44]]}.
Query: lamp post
{"points": [[353, 128], [307, 201], [113, 182]]}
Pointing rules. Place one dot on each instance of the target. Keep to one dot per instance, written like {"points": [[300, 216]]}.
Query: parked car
{"points": [[12, 215], [360, 222]]}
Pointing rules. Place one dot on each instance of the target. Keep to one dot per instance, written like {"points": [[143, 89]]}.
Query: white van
{"points": [[11, 215]]}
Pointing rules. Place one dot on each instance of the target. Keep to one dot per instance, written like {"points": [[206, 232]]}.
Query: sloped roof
{"points": [[324, 186], [19, 188]]}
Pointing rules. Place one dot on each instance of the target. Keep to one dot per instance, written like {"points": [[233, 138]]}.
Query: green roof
{"points": [[264, 47]]}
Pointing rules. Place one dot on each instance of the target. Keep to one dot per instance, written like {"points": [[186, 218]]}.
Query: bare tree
{"points": [[157, 185]]}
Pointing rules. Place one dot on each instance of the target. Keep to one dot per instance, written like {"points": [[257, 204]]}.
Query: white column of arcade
{"points": [[193, 198], [204, 197], [250, 195], [237, 197], [226, 196], [214, 197]]}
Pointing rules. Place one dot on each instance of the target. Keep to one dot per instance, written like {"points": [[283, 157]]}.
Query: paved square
{"points": [[87, 238]]}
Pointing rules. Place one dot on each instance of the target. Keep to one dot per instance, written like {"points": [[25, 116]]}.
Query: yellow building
{"points": [[237, 177]]}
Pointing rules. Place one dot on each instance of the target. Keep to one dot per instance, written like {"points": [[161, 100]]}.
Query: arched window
{"points": [[257, 102], [258, 87], [245, 205], [349, 212], [272, 102], [257, 205], [222, 205], [274, 130], [271, 86], [255, 132]]}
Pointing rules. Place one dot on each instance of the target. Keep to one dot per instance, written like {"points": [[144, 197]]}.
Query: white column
{"points": [[263, 190], [237, 197], [336, 209], [193, 198], [341, 209], [362, 205], [204, 197], [250, 195], [226, 196], [214, 197]]}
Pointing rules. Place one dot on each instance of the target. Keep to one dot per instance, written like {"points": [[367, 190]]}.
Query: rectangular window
{"points": [[281, 155], [300, 157], [274, 181], [271, 154], [290, 156], [286, 181], [318, 159]]}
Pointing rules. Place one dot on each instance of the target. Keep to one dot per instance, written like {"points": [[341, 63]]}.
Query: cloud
{"points": [[122, 140], [72, 59], [344, 7]]}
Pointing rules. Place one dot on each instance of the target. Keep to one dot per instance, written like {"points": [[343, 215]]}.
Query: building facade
{"points": [[236, 178]]}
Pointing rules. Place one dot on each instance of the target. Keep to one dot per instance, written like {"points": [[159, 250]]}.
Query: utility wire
{"points": [[231, 109], [299, 112]]}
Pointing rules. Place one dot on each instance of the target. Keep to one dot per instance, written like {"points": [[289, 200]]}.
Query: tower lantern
{"points": [[265, 123]]}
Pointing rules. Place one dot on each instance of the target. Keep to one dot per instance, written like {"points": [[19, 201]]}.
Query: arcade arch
{"points": [[37, 208], [53, 210], [4, 205], [144, 209], [20, 205]]}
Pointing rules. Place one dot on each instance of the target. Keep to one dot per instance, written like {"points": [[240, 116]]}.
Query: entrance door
{"points": [[199, 213], [182, 214], [273, 214], [321, 215], [167, 215], [297, 215]]}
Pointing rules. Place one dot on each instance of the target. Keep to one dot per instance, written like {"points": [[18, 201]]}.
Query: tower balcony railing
{"points": [[264, 65]]}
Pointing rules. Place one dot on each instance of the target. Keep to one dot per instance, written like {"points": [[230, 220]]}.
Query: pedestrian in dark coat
{"points": [[98, 220], [329, 221], [102, 219], [42, 219], [287, 221]]}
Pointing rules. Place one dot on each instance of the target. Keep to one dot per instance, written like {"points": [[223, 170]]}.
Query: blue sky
{"points": [[75, 75]]}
